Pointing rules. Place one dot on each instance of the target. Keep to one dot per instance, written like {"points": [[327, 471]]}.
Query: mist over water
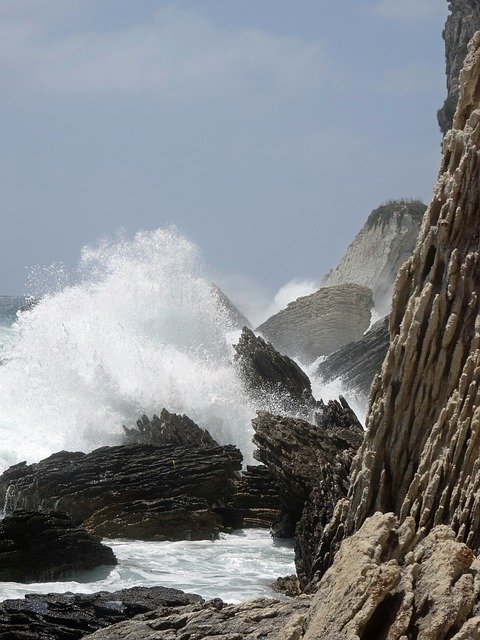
{"points": [[139, 331]]}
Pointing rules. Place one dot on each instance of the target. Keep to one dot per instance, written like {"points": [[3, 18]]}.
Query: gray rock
{"points": [[234, 315], [169, 428], [319, 324]]}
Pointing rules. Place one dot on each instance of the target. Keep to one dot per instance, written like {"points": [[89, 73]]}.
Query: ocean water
{"points": [[236, 567]]}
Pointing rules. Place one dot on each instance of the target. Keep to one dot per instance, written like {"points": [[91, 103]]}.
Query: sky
{"points": [[265, 130]]}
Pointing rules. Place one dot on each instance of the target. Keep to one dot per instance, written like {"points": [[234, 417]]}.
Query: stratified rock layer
{"points": [[272, 379], [462, 23], [169, 428], [384, 243], [381, 588], [39, 547], [138, 489], [356, 364], [319, 324]]}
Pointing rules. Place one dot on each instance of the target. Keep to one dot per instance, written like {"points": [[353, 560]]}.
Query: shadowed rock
{"points": [[40, 547], [319, 324], [121, 482]]}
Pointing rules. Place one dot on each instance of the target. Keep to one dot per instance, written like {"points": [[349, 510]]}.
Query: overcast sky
{"points": [[266, 130]]}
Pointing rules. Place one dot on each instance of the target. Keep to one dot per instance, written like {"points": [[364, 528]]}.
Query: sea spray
{"points": [[140, 330]]}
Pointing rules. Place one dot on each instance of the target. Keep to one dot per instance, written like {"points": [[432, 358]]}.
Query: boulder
{"points": [[40, 547], [320, 323], [70, 616], [169, 428]]}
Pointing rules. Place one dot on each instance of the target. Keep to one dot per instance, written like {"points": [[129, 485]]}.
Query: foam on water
{"points": [[234, 568], [139, 331]]}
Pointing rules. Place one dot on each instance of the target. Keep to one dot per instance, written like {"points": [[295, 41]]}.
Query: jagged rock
{"points": [[255, 501], [71, 616], [384, 243], [356, 364], [260, 619], [38, 547], [462, 23], [381, 586], [420, 456], [271, 378], [320, 323], [177, 518], [116, 479], [169, 428], [234, 315], [289, 585], [305, 458]]}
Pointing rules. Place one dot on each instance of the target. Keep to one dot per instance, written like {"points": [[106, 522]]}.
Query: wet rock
{"points": [[356, 364], [384, 243], [271, 378], [289, 585], [310, 463], [380, 586], [319, 324], [39, 547], [169, 428], [462, 23], [234, 315], [260, 619], [71, 616], [121, 482]]}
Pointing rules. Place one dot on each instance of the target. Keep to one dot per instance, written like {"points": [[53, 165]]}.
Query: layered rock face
{"points": [[169, 428], [462, 23], [356, 364], [38, 547], [272, 379], [319, 324], [384, 243], [140, 491]]}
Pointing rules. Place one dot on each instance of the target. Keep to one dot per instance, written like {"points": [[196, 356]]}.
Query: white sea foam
{"points": [[139, 331]]}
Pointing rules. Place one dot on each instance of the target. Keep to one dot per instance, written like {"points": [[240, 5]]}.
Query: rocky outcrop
{"points": [[169, 428], [234, 316], [319, 324], [39, 547], [70, 616], [255, 502], [384, 243], [272, 379], [462, 23], [260, 619], [311, 465], [420, 456], [356, 364], [382, 586], [119, 484]]}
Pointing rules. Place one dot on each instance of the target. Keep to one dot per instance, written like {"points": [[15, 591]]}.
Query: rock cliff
{"points": [[319, 324], [383, 244], [463, 21], [420, 456]]}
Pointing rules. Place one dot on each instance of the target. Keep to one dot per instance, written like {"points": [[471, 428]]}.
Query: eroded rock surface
{"points": [[384, 243], [39, 547], [69, 616], [119, 484], [383, 586], [169, 428], [260, 619], [462, 23], [356, 364], [320, 323]]}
